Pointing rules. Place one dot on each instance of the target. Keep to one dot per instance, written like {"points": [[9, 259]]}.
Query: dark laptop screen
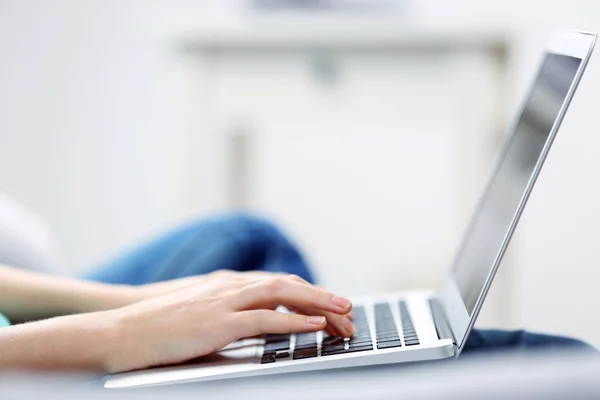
{"points": [[490, 225]]}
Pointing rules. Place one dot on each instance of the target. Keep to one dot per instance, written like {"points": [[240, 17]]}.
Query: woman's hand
{"points": [[215, 311], [337, 325]]}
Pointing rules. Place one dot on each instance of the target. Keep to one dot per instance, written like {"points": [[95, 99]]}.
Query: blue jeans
{"points": [[242, 242]]}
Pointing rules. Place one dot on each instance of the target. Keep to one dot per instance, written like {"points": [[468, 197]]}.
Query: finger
{"points": [[342, 325], [337, 325], [258, 322], [280, 290]]}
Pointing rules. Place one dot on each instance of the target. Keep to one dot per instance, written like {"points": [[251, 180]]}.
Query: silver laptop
{"points": [[428, 324]]}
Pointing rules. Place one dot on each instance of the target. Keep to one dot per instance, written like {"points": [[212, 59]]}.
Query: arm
{"points": [[76, 342], [28, 295], [173, 328]]}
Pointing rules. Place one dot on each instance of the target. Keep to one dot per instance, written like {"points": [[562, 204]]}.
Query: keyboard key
{"points": [[308, 353], [275, 337], [335, 344], [306, 338], [332, 353], [360, 341], [267, 358], [361, 335], [282, 354], [353, 349], [394, 339], [277, 346], [388, 345], [391, 329], [386, 332], [390, 336], [332, 340], [411, 342], [331, 350], [347, 351], [306, 347], [354, 346]]}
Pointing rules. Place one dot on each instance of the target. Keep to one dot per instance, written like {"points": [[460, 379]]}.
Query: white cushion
{"points": [[26, 240]]}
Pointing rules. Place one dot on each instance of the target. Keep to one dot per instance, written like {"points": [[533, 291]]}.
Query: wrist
{"points": [[98, 297], [97, 337], [124, 349], [110, 297], [102, 341]]}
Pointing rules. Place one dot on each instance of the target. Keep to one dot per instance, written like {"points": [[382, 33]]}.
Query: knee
{"points": [[245, 222], [265, 246]]}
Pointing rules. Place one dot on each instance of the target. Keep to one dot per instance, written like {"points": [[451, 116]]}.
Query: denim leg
{"points": [[238, 242], [519, 341]]}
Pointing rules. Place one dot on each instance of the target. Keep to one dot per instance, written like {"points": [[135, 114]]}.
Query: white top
{"points": [[26, 240]]}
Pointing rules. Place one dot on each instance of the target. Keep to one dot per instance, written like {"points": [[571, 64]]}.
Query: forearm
{"points": [[77, 342], [27, 295]]}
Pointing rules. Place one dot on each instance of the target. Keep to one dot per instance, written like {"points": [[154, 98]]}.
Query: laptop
{"points": [[424, 324]]}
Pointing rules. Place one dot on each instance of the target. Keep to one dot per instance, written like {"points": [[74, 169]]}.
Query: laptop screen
{"points": [[499, 205]]}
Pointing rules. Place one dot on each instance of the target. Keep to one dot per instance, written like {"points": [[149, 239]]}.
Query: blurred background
{"points": [[366, 129]]}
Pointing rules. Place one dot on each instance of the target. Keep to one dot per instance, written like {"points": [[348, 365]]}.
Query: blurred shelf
{"points": [[346, 36]]}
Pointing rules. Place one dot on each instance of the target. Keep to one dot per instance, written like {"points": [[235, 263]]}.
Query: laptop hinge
{"points": [[441, 322]]}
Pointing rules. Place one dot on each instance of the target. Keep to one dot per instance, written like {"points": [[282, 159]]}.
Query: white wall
{"points": [[93, 134], [92, 117]]}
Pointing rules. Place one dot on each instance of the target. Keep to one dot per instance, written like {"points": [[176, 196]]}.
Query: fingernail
{"points": [[349, 327], [315, 320], [341, 302]]}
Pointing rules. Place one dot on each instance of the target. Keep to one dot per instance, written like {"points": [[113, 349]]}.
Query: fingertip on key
{"points": [[349, 327]]}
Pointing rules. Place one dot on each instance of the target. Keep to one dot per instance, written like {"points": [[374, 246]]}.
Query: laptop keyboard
{"points": [[279, 347]]}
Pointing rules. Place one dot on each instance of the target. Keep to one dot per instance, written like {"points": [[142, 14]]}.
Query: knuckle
{"points": [[295, 278], [290, 319], [222, 274], [322, 293], [275, 284], [216, 276]]}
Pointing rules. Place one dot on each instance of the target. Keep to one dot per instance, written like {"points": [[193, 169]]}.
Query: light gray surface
{"points": [[556, 376]]}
